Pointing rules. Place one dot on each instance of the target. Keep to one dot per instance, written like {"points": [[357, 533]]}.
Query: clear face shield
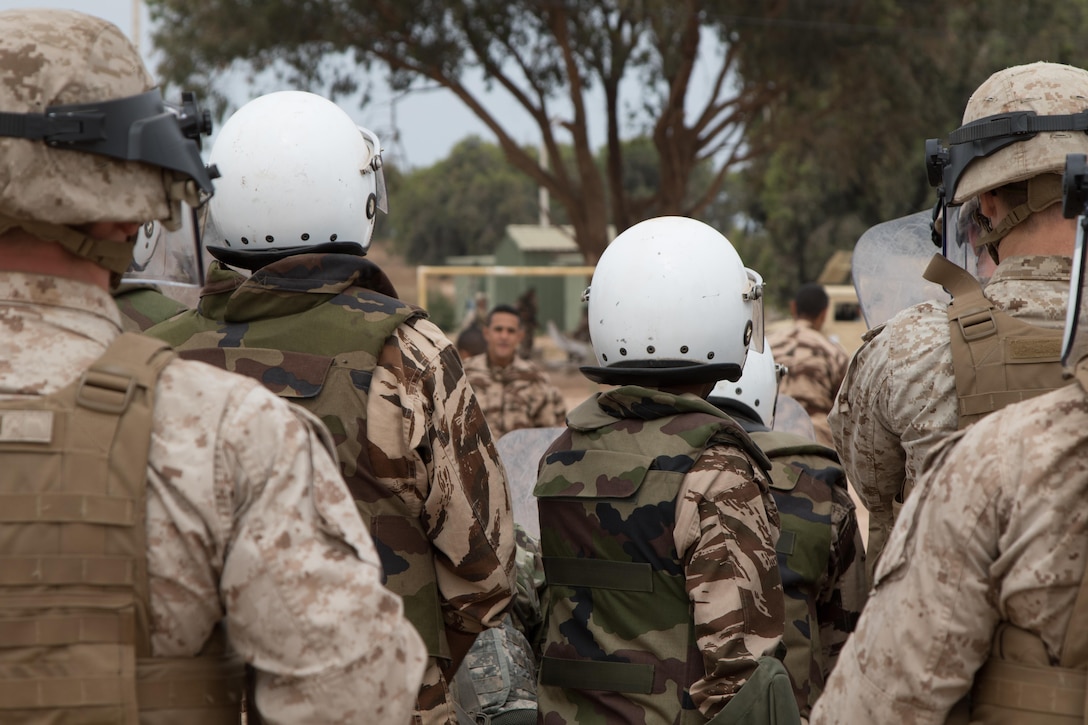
{"points": [[374, 166], [1074, 201], [887, 266], [960, 228], [754, 296], [168, 257]]}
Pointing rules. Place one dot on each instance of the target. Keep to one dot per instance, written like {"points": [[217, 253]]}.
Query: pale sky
{"points": [[430, 123]]}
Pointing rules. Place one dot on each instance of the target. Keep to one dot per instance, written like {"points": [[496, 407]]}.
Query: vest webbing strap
{"points": [[1013, 686], [990, 348], [35, 570], [56, 507], [56, 692], [630, 576], [76, 628], [587, 675]]}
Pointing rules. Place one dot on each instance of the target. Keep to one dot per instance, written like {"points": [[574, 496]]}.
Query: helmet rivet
{"points": [[710, 356], [623, 351], [683, 349], [650, 349], [305, 236], [269, 238]]}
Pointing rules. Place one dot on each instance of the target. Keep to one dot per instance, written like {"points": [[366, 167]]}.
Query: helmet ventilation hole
{"points": [[604, 357], [650, 349], [332, 237], [710, 355], [623, 351], [269, 238], [683, 349], [245, 240], [305, 236]]}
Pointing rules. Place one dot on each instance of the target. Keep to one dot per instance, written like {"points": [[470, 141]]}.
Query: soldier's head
{"points": [[88, 149], [671, 304], [810, 303], [297, 175], [503, 333], [1018, 127], [754, 395]]}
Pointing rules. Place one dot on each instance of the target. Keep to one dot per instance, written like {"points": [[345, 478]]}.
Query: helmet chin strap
{"points": [[114, 256], [1043, 191]]}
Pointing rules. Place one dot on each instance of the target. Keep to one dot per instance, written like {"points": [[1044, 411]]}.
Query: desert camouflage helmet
{"points": [[65, 163], [1052, 91]]}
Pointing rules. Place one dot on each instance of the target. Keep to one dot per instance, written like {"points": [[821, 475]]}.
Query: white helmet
{"points": [[757, 389], [295, 172], [671, 302]]}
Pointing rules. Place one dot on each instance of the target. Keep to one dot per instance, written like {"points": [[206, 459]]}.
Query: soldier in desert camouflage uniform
{"points": [[903, 393], [816, 364], [657, 528], [980, 602], [821, 556], [147, 499], [320, 324], [513, 392]]}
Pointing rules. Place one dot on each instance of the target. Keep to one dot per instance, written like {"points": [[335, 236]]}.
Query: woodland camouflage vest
{"points": [[620, 631], [323, 358], [74, 602], [803, 473]]}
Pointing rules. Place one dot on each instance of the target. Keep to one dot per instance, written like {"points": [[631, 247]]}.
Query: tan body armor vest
{"points": [[75, 643], [998, 359]]}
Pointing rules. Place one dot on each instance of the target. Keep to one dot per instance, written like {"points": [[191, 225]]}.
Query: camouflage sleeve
{"points": [[466, 510], [870, 450], [301, 579], [554, 411], [726, 528], [847, 588]]}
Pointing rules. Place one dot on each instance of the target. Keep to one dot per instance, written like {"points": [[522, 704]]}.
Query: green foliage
{"points": [[460, 205], [639, 57], [441, 311], [865, 84], [812, 131]]}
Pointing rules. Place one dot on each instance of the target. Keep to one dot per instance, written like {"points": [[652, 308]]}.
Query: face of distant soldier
{"points": [[503, 336]]}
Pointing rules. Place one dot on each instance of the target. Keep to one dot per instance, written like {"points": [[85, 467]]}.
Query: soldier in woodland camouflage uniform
{"points": [[903, 393], [657, 528], [513, 392], [821, 555], [816, 364], [163, 521], [320, 324]]}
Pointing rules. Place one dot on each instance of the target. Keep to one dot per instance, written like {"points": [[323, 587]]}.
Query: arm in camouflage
{"points": [[994, 531], [278, 544], [726, 528], [424, 418]]}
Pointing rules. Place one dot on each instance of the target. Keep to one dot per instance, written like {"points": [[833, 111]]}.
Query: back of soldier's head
{"points": [[811, 300], [1018, 127], [297, 175], [85, 137], [671, 303]]}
